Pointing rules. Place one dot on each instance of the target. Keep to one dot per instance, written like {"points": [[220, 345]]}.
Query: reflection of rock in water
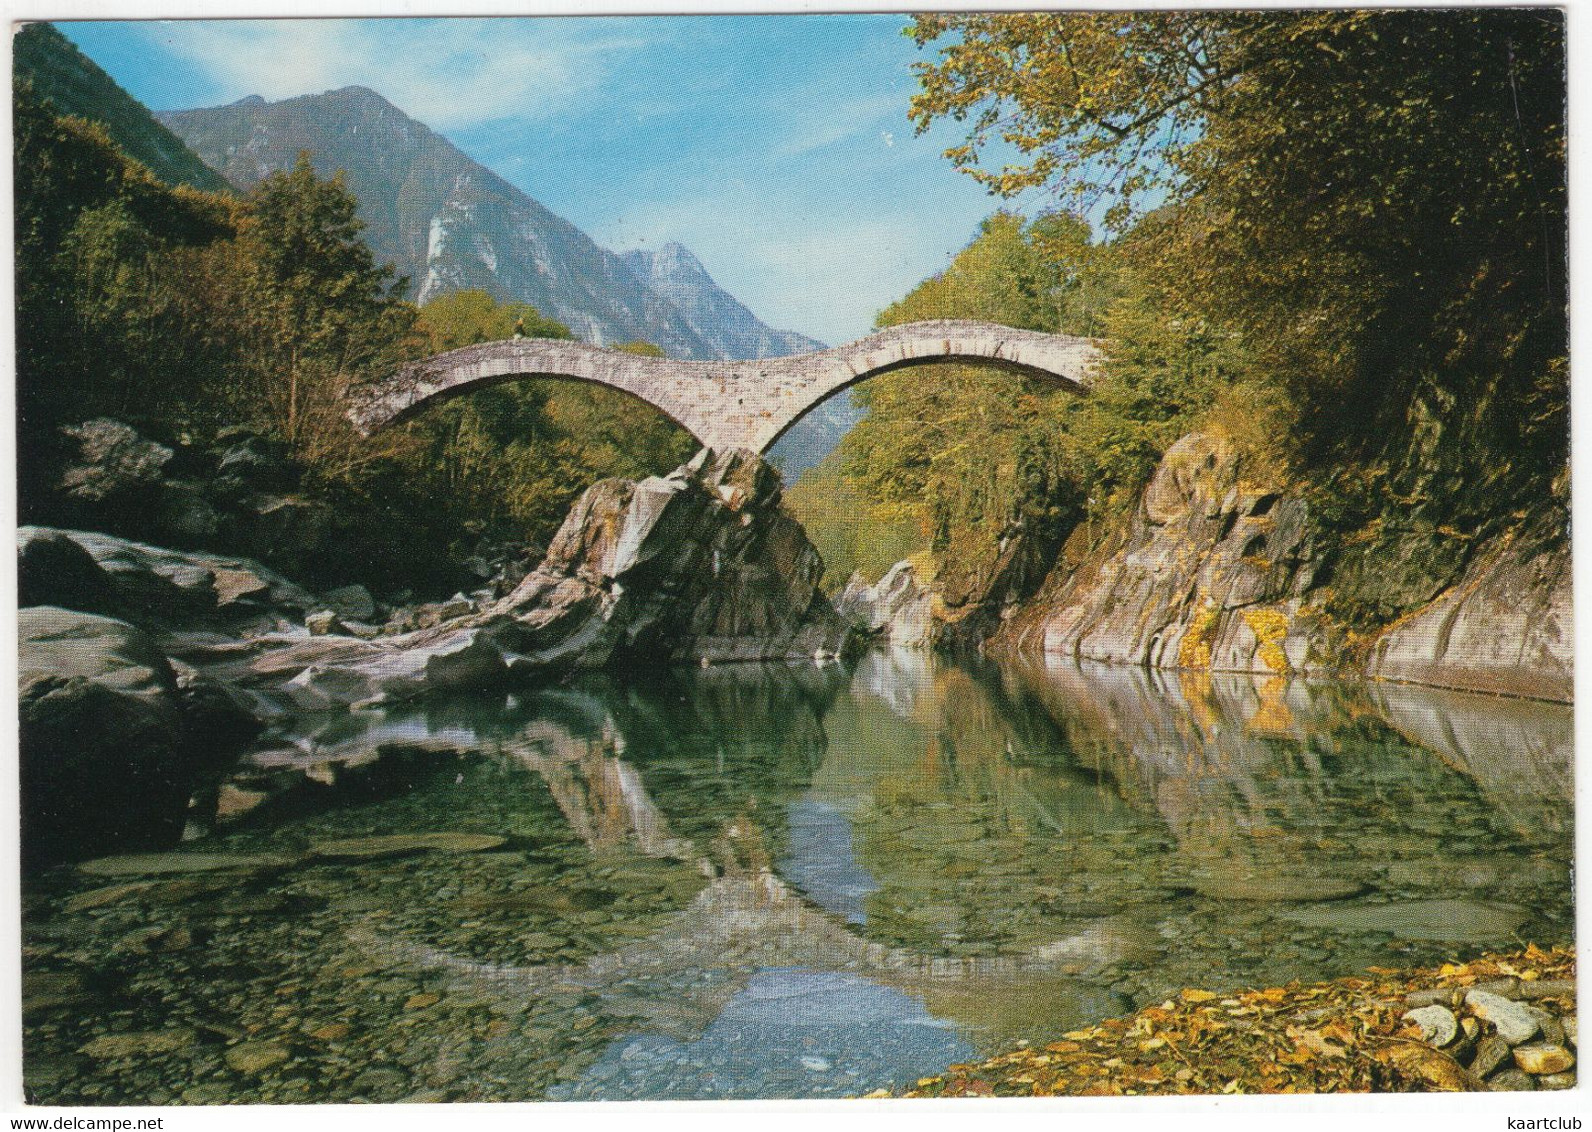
{"points": [[1248, 773], [747, 919], [895, 676], [1520, 752]]}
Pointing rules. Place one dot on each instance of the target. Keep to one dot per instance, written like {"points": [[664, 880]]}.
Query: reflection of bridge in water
{"points": [[728, 404], [1245, 778], [746, 919]]}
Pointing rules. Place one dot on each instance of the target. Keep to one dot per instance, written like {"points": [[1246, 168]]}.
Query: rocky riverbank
{"points": [[1504, 1022], [146, 670], [1215, 572]]}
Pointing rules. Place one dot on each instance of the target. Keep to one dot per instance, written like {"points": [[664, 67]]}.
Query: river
{"points": [[770, 881]]}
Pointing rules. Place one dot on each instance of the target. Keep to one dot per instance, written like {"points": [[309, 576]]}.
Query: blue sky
{"points": [[775, 147]]}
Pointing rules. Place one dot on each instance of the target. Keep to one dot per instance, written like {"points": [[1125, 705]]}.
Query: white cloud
{"points": [[449, 74]]}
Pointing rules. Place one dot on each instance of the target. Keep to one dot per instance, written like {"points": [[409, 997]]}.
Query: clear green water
{"points": [[772, 882]]}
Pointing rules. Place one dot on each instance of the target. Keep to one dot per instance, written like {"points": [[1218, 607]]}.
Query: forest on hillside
{"points": [[1337, 237], [202, 319]]}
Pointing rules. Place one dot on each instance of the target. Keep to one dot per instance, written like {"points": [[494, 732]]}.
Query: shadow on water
{"points": [[798, 881]]}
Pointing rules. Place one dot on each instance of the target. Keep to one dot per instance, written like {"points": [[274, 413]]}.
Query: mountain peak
{"points": [[672, 260], [674, 272], [358, 93]]}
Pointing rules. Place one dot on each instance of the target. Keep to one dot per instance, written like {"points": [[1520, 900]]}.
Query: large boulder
{"points": [[700, 566], [149, 583], [113, 460], [104, 761], [899, 609]]}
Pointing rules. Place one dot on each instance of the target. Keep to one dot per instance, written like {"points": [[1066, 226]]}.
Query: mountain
{"points": [[75, 85], [815, 436], [716, 315], [446, 222]]}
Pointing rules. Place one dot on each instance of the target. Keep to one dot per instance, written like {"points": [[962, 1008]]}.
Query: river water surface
{"points": [[767, 881]]}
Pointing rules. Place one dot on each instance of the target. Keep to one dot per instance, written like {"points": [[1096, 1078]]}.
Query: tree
{"points": [[1346, 183], [317, 312], [98, 325]]}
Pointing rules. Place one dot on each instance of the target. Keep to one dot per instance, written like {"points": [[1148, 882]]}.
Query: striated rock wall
{"points": [[1506, 626], [1210, 574], [1213, 573]]}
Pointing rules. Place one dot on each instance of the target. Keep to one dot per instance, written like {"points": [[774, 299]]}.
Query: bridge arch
{"points": [[728, 404]]}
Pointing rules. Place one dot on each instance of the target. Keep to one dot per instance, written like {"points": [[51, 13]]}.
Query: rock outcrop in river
{"points": [[699, 566], [899, 609]]}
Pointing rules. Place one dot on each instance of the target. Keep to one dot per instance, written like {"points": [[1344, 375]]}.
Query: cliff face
{"points": [[718, 317], [1506, 626], [1218, 574]]}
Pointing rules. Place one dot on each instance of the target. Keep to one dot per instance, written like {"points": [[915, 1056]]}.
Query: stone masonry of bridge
{"points": [[729, 404]]}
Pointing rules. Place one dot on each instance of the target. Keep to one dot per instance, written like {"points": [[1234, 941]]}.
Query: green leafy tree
{"points": [[1374, 200], [98, 316], [319, 314]]}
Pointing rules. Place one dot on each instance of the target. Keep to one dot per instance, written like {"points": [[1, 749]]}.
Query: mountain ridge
{"points": [[448, 223], [720, 318]]}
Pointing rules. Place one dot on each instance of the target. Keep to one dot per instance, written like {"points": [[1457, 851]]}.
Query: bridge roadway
{"points": [[724, 404]]}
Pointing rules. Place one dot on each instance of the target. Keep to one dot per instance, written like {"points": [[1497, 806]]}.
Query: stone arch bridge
{"points": [[724, 404]]}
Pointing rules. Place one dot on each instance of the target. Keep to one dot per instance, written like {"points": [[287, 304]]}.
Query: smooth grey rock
{"points": [[104, 760], [157, 583], [1438, 1024], [1515, 1023]]}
